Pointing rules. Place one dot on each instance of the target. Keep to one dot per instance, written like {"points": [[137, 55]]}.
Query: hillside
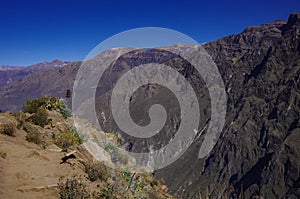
{"points": [[33, 163]]}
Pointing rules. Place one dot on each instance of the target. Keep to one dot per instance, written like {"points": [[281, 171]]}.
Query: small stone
{"points": [[164, 188]]}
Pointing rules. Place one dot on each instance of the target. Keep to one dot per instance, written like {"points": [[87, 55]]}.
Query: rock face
{"points": [[261, 140], [258, 152]]}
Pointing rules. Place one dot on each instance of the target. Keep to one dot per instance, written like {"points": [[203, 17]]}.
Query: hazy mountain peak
{"points": [[9, 74]]}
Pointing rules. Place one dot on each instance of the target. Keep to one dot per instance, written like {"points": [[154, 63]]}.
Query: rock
{"points": [[164, 188], [53, 148], [68, 156]]}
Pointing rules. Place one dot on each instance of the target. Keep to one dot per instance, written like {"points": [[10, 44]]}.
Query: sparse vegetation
{"points": [[110, 148], [69, 138], [33, 134], [97, 181], [116, 156], [7, 129], [49, 103], [126, 175], [64, 110], [106, 192], [118, 141], [119, 186], [96, 171], [74, 188], [21, 118]]}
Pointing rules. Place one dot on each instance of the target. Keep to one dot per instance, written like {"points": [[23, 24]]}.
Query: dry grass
{"points": [[96, 171], [74, 188], [32, 134], [8, 129]]}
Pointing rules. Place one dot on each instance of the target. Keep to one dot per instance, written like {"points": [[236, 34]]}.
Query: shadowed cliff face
{"points": [[148, 95], [259, 148], [258, 152]]}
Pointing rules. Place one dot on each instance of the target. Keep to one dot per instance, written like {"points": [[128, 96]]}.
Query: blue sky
{"points": [[37, 31]]}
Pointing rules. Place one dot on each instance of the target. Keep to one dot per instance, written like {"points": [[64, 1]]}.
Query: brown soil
{"points": [[29, 171]]}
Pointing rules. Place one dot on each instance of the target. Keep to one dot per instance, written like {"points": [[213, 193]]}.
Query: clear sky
{"points": [[37, 31]]}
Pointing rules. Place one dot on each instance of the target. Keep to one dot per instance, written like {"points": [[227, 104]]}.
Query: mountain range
{"points": [[258, 152], [9, 74]]}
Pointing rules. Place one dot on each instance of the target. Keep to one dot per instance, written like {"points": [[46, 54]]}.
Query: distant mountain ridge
{"points": [[9, 74]]}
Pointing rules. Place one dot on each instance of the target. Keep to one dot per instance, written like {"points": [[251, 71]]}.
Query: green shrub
{"points": [[69, 138], [64, 110], [7, 129], [32, 106], [40, 118], [126, 174], [50, 103]]}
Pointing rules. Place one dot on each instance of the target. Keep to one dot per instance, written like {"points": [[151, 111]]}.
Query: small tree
{"points": [[68, 93]]}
